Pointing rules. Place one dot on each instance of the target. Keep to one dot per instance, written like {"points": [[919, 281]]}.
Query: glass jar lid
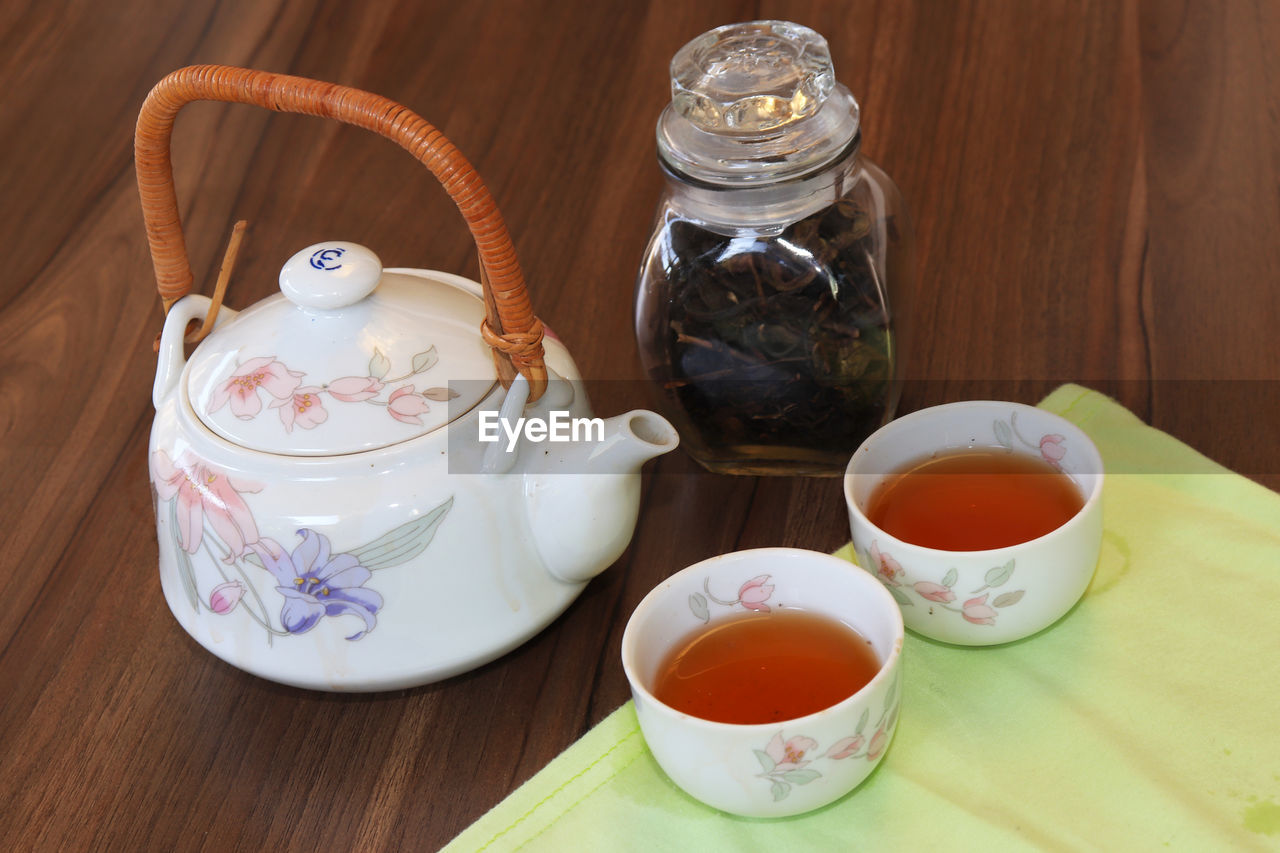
{"points": [[347, 358], [755, 102]]}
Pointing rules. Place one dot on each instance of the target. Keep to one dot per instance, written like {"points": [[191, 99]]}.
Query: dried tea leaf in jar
{"points": [[763, 313]]}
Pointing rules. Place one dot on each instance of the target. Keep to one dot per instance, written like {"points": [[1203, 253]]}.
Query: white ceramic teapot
{"points": [[346, 495]]}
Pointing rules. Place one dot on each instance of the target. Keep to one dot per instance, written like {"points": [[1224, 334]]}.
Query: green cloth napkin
{"points": [[1147, 718]]}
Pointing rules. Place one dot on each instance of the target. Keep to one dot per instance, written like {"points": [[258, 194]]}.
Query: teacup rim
{"points": [[1094, 497], [876, 589]]}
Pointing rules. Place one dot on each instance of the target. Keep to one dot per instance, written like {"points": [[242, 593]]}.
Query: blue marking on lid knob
{"points": [[326, 259], [330, 275]]}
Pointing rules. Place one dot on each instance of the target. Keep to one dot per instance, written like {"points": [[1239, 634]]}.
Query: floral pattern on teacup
{"points": [[980, 608], [790, 761], [752, 595], [218, 546], [303, 406], [1051, 447]]}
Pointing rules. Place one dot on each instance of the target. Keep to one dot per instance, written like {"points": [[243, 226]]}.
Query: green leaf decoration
{"points": [[440, 394], [766, 762], [1007, 598], [780, 790], [890, 706], [698, 604], [1003, 434], [801, 777], [252, 559], [863, 720], [379, 365], [950, 578], [424, 360], [999, 575], [186, 572], [898, 595], [403, 543]]}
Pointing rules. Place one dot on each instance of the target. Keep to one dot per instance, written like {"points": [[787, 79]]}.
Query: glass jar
{"points": [[763, 301]]}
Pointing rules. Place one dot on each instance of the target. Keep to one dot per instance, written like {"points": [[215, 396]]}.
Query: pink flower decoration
{"points": [[878, 742], [354, 389], [977, 611], [1051, 448], [934, 592], [754, 593], [404, 405], [845, 747], [225, 597], [204, 494], [242, 388], [303, 409], [887, 568], [789, 755]]}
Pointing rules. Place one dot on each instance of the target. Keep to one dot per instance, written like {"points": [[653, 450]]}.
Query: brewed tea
{"points": [[765, 667], [972, 500]]}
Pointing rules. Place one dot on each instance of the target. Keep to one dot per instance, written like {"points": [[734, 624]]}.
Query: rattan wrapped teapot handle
{"points": [[511, 327]]}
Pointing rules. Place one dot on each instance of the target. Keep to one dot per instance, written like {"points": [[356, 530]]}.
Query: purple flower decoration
{"points": [[315, 583]]}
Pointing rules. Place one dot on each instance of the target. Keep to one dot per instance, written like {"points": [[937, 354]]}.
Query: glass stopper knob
{"points": [[751, 78]]}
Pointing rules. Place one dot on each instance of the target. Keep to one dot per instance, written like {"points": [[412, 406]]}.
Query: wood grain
{"points": [[1096, 190]]}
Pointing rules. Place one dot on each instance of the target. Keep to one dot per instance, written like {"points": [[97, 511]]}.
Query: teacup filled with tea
{"points": [[766, 682], [982, 519]]}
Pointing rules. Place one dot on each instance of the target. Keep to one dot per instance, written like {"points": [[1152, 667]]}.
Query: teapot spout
{"points": [[583, 510], [630, 440]]}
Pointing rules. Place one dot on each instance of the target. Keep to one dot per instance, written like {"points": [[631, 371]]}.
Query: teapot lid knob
{"points": [[330, 275]]}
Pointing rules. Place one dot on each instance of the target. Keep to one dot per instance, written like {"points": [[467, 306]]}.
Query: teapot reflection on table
{"points": [[331, 510]]}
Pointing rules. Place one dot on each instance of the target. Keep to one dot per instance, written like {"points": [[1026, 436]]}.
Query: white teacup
{"points": [[769, 769], [980, 598]]}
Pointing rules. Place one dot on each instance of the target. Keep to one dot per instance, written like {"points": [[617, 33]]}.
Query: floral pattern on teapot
{"points": [[303, 406], [212, 525]]}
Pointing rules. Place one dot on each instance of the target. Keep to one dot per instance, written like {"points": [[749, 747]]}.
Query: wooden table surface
{"points": [[1096, 190]]}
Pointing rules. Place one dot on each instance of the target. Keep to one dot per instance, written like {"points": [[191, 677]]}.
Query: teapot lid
{"points": [[347, 358]]}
